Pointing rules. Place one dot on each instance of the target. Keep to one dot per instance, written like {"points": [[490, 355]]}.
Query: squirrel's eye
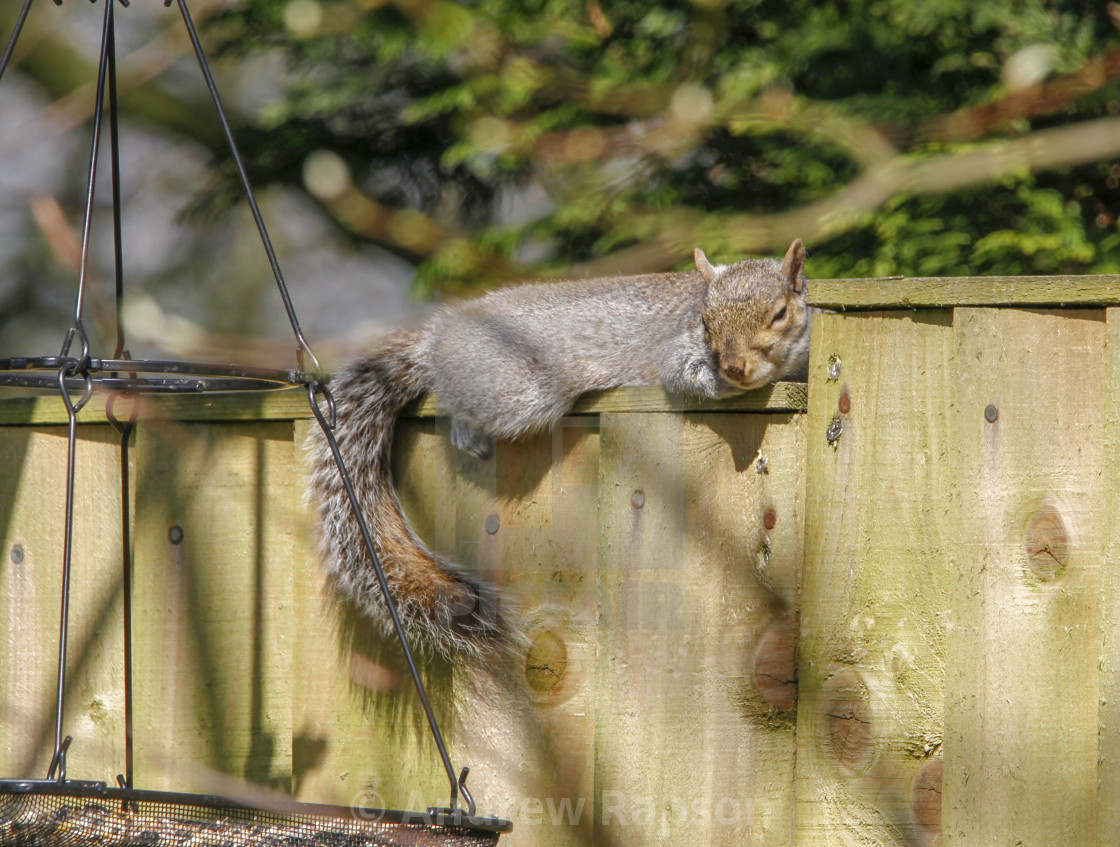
{"points": [[779, 316]]}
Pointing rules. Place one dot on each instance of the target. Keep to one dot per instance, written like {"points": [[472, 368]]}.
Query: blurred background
{"points": [[405, 151]]}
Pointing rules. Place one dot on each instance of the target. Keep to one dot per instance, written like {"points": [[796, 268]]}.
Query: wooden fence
{"points": [[930, 531]]}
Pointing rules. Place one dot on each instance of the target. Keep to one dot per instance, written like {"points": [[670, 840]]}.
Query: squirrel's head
{"points": [[756, 321]]}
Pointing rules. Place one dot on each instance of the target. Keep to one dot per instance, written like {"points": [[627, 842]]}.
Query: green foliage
{"points": [[637, 119]]}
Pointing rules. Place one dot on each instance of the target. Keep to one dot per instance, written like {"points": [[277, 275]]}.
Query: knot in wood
{"points": [[925, 800], [846, 727], [1047, 543], [775, 666], [546, 663]]}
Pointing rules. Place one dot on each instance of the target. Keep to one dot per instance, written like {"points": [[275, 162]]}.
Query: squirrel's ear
{"points": [[704, 266], [793, 265]]}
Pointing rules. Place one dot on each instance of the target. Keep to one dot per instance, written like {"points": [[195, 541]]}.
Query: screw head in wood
{"points": [[834, 367]]}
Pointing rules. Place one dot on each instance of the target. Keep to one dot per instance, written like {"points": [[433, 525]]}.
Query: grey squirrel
{"points": [[514, 361]]}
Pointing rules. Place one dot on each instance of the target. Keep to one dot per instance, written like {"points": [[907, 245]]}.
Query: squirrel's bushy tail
{"points": [[440, 606]]}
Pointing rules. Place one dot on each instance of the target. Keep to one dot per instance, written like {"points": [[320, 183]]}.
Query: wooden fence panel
{"points": [[1024, 640], [946, 559], [32, 513], [879, 528], [531, 725], [213, 617], [682, 727], [1109, 752], [362, 738]]}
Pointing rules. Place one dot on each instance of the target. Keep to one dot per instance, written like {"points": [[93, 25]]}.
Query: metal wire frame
{"points": [[84, 373]]}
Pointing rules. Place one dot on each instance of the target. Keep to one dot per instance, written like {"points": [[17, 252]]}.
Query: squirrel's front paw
{"points": [[702, 380], [470, 440]]}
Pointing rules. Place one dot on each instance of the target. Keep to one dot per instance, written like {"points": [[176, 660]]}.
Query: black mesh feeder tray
{"points": [[57, 811]]}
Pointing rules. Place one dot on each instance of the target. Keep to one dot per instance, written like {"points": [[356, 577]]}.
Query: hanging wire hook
{"points": [[73, 368], [58, 761], [315, 389], [70, 369], [84, 361], [67, 370], [466, 794]]}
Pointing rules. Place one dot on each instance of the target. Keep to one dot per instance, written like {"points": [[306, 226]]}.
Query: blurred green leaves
{"points": [[526, 138]]}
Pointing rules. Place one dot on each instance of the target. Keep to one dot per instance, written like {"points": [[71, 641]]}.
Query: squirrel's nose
{"points": [[734, 370]]}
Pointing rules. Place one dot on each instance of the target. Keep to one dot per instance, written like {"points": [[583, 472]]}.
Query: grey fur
{"points": [[513, 362]]}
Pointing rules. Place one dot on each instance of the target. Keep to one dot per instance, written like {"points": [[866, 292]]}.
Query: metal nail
{"points": [[834, 365]]}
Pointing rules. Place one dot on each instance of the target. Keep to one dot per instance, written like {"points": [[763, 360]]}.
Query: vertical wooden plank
{"points": [[214, 536], [1023, 648], [362, 739], [529, 720], [315, 662], [685, 741], [1109, 751], [641, 537], [32, 525], [880, 523], [745, 533]]}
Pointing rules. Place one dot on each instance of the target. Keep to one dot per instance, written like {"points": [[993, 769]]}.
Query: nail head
{"points": [[834, 366], [175, 534], [638, 499], [991, 413], [492, 524], [835, 430], [16, 554]]}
